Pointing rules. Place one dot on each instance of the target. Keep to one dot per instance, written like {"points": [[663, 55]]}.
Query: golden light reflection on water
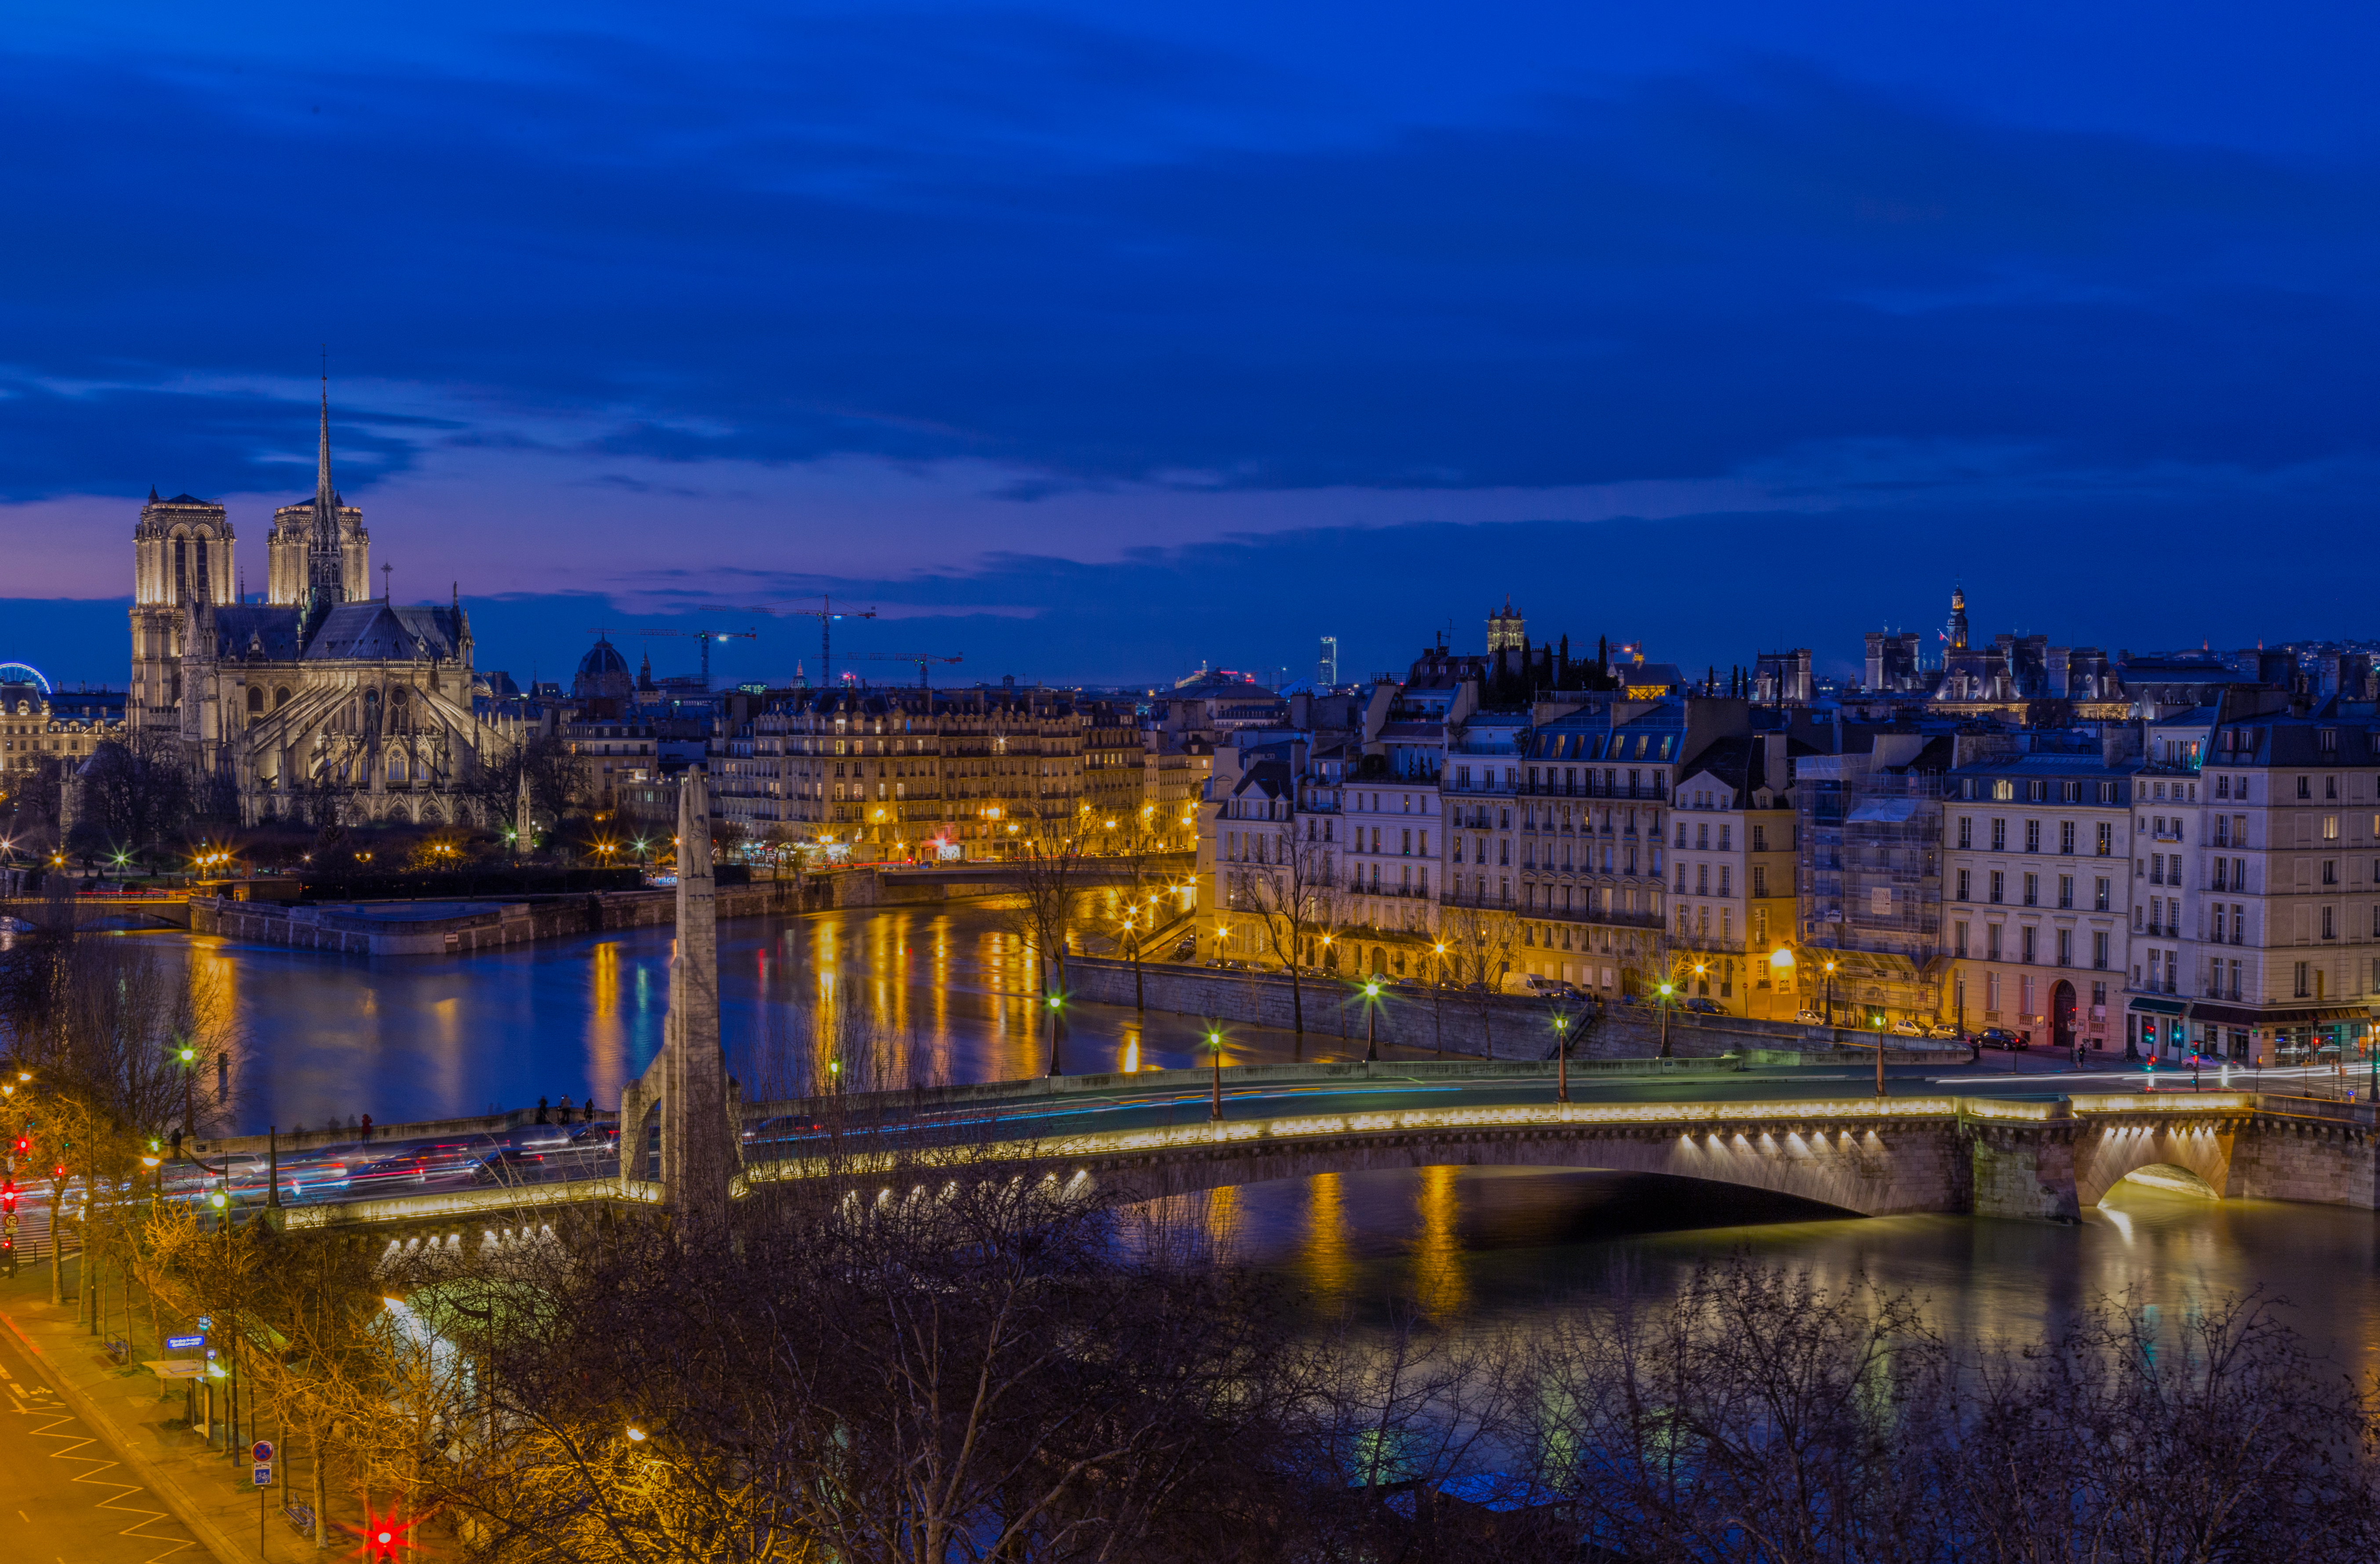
{"points": [[607, 1032], [1440, 1282], [1326, 1258]]}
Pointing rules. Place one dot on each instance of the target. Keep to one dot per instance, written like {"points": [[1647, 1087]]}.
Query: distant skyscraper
{"points": [[1327, 670]]}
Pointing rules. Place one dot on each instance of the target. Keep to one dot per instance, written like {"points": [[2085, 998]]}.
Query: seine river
{"points": [[942, 994]]}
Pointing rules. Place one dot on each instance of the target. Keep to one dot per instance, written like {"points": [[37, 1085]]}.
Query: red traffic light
{"points": [[24, 1145], [387, 1536]]}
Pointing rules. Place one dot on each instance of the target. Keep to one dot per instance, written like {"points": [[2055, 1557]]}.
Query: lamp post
{"points": [[1371, 1020], [1057, 1023], [1562, 1058], [1214, 1105], [1879, 1055], [1668, 988], [1831, 993]]}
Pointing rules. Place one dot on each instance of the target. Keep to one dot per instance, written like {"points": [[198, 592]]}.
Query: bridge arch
{"points": [[2170, 1176], [2197, 1152], [1870, 1167]]}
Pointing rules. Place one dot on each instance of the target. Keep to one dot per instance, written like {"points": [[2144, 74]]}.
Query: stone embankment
{"points": [[1487, 1026], [453, 928], [458, 928]]}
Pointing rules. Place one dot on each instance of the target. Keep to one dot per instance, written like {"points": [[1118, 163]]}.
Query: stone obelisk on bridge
{"points": [[686, 1082]]}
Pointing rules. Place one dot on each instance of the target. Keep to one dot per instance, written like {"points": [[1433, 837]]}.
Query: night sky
{"points": [[1091, 341]]}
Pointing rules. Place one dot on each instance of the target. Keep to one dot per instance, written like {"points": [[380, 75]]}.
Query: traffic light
{"points": [[24, 1145], [8, 1193], [386, 1537]]}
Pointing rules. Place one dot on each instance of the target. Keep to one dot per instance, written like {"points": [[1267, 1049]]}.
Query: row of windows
{"points": [[2037, 789], [2103, 840], [2028, 948], [1996, 885]]}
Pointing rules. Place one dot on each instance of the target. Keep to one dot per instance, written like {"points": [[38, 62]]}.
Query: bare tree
{"points": [[1048, 874], [1288, 884], [1480, 944], [139, 790]]}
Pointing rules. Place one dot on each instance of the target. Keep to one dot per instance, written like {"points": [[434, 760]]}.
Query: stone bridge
{"points": [[1982, 1156]]}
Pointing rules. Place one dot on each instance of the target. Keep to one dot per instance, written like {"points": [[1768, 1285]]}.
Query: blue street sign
{"points": [[263, 1475], [184, 1343]]}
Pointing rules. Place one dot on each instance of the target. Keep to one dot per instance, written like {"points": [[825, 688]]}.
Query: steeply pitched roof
{"points": [[377, 631], [269, 631]]}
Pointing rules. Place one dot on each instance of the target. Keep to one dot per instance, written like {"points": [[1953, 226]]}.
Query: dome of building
{"points": [[603, 675], [601, 658]]}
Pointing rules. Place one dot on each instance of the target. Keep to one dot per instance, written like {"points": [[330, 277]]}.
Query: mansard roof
{"points": [[378, 631]]}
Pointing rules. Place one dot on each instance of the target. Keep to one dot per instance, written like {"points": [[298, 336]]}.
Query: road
{"points": [[64, 1494], [396, 1166]]}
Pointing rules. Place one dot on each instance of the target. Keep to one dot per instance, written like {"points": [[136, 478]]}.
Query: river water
{"points": [[939, 994], [943, 994]]}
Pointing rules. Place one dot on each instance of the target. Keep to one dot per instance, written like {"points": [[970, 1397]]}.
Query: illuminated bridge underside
{"points": [[1981, 1155]]}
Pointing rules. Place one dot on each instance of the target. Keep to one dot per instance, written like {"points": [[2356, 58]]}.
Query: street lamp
{"points": [[1057, 1020], [1562, 1058], [1668, 988], [1879, 1053], [1215, 1042], [1371, 1020], [1831, 993]]}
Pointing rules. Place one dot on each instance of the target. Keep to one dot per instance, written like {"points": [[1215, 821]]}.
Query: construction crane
{"points": [[705, 637], [920, 659], [826, 615]]}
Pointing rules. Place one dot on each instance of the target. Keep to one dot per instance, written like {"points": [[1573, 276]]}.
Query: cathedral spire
{"points": [[325, 573]]}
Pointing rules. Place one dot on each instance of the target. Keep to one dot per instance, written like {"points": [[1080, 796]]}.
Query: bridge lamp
{"points": [[218, 1200], [636, 1435], [188, 1055]]}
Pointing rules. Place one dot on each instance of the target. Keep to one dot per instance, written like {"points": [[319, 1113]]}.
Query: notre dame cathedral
{"points": [[319, 704]]}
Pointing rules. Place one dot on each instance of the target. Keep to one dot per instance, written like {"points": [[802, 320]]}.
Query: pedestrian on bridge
{"points": [[544, 1112], [566, 1108]]}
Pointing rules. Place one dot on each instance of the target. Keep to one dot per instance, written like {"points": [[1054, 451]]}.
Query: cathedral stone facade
{"points": [[319, 704]]}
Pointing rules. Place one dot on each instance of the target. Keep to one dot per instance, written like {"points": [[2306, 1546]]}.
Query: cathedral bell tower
{"points": [[1958, 618], [181, 555]]}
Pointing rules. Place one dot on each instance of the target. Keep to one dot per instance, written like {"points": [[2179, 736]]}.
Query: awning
{"points": [[2156, 1006], [2249, 1015]]}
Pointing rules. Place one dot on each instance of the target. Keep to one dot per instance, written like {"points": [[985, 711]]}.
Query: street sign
{"points": [[263, 1476], [261, 1452], [184, 1343]]}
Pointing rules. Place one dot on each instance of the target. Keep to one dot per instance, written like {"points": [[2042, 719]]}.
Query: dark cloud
{"points": [[917, 243]]}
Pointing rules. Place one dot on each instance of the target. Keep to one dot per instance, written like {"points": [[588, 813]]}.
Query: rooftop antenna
{"points": [[385, 569]]}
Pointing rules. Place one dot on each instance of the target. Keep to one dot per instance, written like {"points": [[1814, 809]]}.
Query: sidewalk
{"points": [[205, 1489]]}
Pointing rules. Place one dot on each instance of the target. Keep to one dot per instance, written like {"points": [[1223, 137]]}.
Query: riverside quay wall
{"points": [[449, 928], [1487, 1026]]}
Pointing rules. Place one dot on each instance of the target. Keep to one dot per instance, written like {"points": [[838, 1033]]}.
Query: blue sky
{"points": [[1090, 341]]}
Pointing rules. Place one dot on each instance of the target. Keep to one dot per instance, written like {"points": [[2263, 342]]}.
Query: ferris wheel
{"points": [[24, 673]]}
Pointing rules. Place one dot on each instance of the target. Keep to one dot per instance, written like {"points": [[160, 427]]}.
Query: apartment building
{"points": [[906, 773], [1731, 857], [1570, 833], [2267, 824], [2038, 896]]}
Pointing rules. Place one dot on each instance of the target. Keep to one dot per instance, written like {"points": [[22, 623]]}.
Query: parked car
{"points": [[1944, 1030], [1810, 1017], [1186, 948], [1706, 1006], [1999, 1037], [1907, 1027]]}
